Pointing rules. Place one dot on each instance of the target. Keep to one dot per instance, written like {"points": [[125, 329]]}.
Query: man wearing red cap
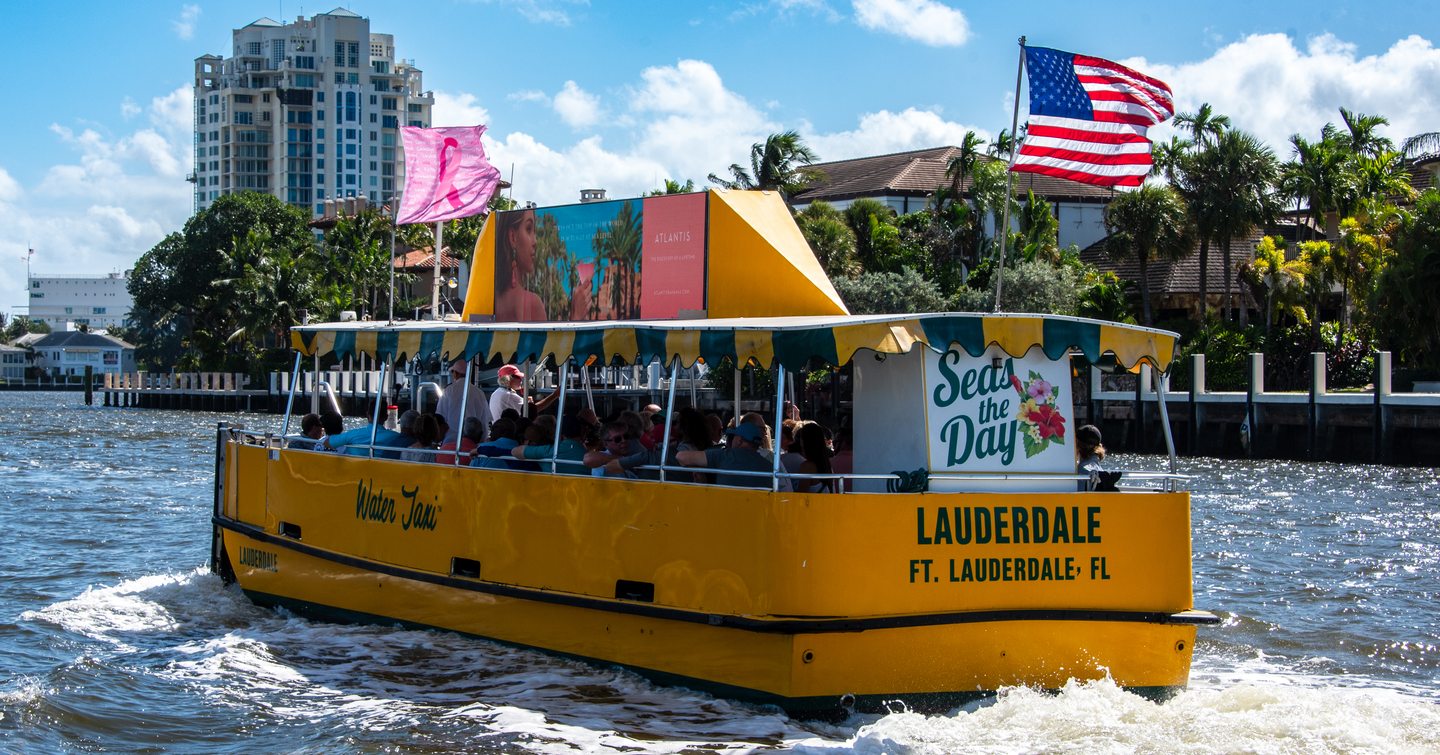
{"points": [[506, 397]]}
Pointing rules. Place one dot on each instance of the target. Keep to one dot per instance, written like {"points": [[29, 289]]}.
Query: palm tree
{"points": [[1244, 176], [1203, 125], [625, 240], [673, 187], [780, 163], [1003, 146], [1146, 224], [1321, 173], [962, 164], [1420, 145], [1168, 158], [1362, 137]]}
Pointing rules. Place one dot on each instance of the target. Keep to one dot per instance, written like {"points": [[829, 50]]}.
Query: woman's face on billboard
{"points": [[522, 243]]}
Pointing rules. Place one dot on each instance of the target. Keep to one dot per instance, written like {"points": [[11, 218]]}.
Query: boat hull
{"points": [[811, 602]]}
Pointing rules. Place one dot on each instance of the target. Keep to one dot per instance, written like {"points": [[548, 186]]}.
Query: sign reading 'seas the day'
{"points": [[999, 414]]}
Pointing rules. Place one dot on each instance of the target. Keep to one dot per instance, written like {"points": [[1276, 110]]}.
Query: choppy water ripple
{"points": [[114, 637]]}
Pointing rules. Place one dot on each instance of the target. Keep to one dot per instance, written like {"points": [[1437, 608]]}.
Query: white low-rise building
{"points": [[96, 301], [69, 353], [13, 361]]}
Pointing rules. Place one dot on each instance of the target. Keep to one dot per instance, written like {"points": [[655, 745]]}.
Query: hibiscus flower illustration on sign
{"points": [[1041, 423]]}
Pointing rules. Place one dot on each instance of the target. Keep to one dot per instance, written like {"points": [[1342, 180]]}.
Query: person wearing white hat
{"points": [[475, 405]]}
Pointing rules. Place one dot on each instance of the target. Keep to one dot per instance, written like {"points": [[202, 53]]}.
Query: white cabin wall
{"points": [[889, 420]]}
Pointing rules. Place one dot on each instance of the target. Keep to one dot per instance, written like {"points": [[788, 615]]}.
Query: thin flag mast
{"points": [[1010, 177]]}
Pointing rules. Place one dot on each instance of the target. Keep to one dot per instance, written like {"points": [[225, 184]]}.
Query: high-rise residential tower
{"points": [[307, 111]]}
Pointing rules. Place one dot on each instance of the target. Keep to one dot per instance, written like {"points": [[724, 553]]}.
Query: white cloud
{"points": [[128, 109], [924, 21], [885, 132], [9, 189], [185, 25], [1269, 87], [112, 200], [527, 95], [577, 107], [462, 109], [554, 12]]}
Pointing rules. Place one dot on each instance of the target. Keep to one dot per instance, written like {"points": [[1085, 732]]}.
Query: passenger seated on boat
{"points": [[492, 453], [687, 433], [766, 448], [616, 442], [810, 440], [716, 425], [572, 447], [1089, 453], [353, 441], [424, 433], [740, 454], [311, 432], [476, 405], [471, 436], [333, 424]]}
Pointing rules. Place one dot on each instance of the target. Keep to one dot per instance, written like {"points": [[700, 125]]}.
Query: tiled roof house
{"points": [[906, 180]]}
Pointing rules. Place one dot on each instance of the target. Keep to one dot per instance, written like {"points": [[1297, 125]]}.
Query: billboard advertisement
{"points": [[628, 259]]}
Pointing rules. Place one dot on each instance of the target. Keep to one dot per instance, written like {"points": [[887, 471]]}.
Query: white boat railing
{"points": [[840, 482]]}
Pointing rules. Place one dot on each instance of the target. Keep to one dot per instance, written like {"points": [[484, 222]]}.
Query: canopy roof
{"points": [[791, 341]]}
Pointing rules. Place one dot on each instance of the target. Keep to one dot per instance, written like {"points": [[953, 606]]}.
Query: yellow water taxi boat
{"points": [[959, 557]]}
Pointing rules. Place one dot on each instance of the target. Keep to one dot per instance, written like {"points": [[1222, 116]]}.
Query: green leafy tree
{"points": [[194, 291], [1245, 171], [864, 216], [890, 293], [1147, 224], [780, 163], [1406, 319], [1104, 296], [830, 238], [673, 187], [1034, 286]]}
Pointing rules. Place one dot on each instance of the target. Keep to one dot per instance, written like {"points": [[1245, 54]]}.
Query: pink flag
{"points": [[446, 174]]}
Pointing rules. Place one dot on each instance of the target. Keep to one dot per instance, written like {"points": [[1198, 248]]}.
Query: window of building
{"points": [[319, 96], [97, 310], [244, 99], [305, 61], [305, 80], [244, 118], [414, 108], [252, 48], [352, 55]]}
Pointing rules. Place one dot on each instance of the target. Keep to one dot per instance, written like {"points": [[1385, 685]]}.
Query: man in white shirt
{"points": [[505, 396], [475, 405]]}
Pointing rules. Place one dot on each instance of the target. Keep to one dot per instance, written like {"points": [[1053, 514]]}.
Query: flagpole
{"points": [[1010, 177], [394, 213], [435, 285]]}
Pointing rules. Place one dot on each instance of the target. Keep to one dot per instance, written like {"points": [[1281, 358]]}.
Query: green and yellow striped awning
{"points": [[791, 341]]}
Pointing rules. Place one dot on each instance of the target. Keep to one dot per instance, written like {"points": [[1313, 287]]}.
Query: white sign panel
{"points": [[1014, 418]]}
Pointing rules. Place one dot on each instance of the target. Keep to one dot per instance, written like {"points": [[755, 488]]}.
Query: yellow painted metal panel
{"points": [[621, 341], [685, 343], [1130, 346], [754, 344], [324, 343], [480, 294], [503, 344], [727, 550], [887, 337], [1015, 334], [408, 343], [560, 343], [366, 341], [759, 263]]}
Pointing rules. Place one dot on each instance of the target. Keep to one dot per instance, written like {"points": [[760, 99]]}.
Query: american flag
{"points": [[1088, 118]]}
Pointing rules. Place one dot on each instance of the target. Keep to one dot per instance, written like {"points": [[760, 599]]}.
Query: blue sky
{"points": [[623, 95]]}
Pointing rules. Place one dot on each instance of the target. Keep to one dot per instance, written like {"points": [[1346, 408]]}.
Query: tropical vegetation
{"points": [[1346, 259]]}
